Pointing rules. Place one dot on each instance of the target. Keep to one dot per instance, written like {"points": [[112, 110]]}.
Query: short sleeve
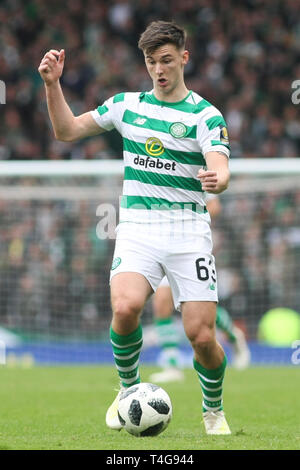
{"points": [[108, 115], [213, 134]]}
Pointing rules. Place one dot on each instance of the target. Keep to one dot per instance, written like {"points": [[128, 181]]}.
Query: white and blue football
{"points": [[144, 409]]}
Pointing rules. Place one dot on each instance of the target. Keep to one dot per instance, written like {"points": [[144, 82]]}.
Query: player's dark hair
{"points": [[159, 33]]}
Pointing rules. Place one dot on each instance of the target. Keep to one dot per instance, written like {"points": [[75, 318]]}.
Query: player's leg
{"points": [[129, 292], [236, 337], [209, 361], [167, 335]]}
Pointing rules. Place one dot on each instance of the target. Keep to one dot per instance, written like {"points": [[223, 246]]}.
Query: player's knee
{"points": [[124, 310], [202, 339]]}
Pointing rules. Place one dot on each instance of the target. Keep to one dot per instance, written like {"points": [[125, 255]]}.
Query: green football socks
{"points": [[126, 351], [211, 381]]}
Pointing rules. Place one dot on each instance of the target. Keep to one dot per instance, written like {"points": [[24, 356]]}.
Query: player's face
{"points": [[165, 66]]}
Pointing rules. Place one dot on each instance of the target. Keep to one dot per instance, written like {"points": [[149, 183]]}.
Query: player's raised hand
{"points": [[52, 65], [208, 179]]}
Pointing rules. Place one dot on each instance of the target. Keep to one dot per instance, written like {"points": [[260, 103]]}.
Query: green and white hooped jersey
{"points": [[163, 146]]}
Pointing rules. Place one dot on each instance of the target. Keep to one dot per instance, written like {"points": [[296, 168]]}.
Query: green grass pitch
{"points": [[48, 408]]}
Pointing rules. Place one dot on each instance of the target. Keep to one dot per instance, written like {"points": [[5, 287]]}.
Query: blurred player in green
{"points": [[168, 332]]}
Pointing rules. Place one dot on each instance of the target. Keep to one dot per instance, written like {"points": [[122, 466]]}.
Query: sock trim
{"points": [[126, 340], [212, 374]]}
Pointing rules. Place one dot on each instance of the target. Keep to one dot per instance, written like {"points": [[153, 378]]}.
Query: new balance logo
{"points": [[140, 121]]}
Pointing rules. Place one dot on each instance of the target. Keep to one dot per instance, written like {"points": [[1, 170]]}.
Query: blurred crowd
{"points": [[257, 248], [244, 58], [54, 269]]}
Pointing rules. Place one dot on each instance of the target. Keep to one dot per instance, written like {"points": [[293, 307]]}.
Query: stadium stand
{"points": [[244, 57]]}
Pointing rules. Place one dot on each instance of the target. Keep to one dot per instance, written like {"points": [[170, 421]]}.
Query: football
{"points": [[144, 409]]}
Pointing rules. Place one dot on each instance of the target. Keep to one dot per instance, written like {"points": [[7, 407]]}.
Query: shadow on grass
{"points": [[240, 432]]}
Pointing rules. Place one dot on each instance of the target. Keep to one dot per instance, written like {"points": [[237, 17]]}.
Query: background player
{"points": [[168, 332]]}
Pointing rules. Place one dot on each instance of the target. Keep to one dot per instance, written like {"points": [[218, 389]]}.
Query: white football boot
{"points": [[112, 418], [215, 422]]}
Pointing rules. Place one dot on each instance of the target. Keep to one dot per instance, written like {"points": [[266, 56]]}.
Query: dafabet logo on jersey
{"points": [[154, 163], [155, 148]]}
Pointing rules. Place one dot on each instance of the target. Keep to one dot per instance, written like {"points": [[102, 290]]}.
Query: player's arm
{"points": [[66, 126], [214, 206], [215, 178]]}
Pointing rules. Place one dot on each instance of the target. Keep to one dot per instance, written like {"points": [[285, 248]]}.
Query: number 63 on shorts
{"points": [[194, 281], [190, 271]]}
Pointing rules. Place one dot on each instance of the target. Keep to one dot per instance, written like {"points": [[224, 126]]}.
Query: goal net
{"points": [[57, 239]]}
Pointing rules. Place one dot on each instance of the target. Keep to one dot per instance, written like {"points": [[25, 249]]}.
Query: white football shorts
{"points": [[186, 260], [164, 282]]}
